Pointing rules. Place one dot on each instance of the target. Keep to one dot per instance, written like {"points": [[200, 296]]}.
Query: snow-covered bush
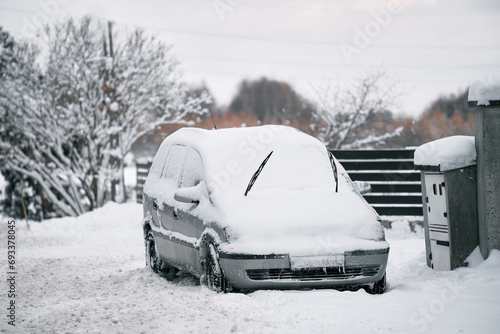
{"points": [[72, 112]]}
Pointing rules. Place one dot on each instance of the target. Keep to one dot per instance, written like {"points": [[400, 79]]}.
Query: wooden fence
{"points": [[142, 167], [396, 187]]}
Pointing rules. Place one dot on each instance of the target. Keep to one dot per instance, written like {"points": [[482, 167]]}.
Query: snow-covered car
{"points": [[264, 207]]}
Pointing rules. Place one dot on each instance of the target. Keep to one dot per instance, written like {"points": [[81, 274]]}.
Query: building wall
{"points": [[487, 132]]}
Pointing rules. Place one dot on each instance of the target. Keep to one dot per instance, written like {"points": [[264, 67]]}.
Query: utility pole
{"points": [[110, 34], [115, 162]]}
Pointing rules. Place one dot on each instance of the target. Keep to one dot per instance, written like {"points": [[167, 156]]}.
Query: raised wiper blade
{"points": [[256, 174], [334, 167]]}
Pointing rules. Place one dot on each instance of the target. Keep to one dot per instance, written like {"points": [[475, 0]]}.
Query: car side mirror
{"points": [[363, 187], [187, 195]]}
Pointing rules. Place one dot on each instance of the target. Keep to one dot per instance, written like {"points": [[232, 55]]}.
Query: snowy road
{"points": [[87, 275]]}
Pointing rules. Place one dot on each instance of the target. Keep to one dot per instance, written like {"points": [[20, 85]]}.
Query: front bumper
{"points": [[274, 271]]}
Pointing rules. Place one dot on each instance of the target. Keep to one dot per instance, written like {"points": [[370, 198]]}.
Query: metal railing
{"points": [[142, 170], [396, 187]]}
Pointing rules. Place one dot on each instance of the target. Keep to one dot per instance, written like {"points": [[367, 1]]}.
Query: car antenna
{"points": [[213, 121]]}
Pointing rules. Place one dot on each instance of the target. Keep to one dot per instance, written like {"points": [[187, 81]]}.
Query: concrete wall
{"points": [[487, 132]]}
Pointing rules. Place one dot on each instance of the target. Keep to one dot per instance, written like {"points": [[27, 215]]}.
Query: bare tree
{"points": [[341, 110]]}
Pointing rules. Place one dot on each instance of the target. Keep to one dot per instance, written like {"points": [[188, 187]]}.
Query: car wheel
{"points": [[378, 287], [152, 259], [215, 278], [169, 272]]}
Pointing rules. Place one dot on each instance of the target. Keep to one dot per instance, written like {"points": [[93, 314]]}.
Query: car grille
{"points": [[313, 274]]}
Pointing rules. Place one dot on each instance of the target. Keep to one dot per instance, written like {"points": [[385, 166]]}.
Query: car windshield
{"points": [[256, 174], [300, 168]]}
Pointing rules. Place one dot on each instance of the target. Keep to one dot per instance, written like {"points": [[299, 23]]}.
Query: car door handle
{"points": [[176, 216], [155, 206]]}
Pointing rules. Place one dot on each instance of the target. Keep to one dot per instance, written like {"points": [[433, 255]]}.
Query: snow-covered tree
{"points": [[340, 110], [6, 51], [18, 186], [82, 103]]}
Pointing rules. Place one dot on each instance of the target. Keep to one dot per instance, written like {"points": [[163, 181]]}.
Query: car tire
{"points": [[379, 287], [169, 272], [214, 276], [152, 259]]}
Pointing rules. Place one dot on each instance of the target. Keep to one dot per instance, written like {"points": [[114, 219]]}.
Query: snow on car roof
{"points": [[231, 156]]}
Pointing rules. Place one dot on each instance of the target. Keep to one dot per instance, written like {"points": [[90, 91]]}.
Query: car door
{"points": [[155, 181], [169, 183], [188, 217]]}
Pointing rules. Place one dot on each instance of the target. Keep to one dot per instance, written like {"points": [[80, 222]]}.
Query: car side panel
{"points": [[191, 229], [173, 247], [166, 247]]}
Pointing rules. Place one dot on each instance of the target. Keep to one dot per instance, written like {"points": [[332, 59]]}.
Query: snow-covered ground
{"points": [[88, 275]]}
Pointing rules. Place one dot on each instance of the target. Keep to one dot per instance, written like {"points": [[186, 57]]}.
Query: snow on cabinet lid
{"points": [[446, 153], [485, 90]]}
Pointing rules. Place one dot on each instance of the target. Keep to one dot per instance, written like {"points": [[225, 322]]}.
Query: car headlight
{"points": [[374, 231], [381, 234]]}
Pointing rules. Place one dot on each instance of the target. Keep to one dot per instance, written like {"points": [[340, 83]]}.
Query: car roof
{"points": [[231, 156], [203, 139]]}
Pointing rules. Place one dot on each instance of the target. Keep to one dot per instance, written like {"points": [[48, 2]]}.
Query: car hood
{"points": [[300, 221]]}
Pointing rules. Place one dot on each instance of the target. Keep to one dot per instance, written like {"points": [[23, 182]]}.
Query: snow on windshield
{"points": [[296, 168], [232, 156]]}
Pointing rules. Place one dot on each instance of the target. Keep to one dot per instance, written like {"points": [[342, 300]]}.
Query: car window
{"points": [[159, 162], [164, 165], [174, 163], [193, 169], [298, 168]]}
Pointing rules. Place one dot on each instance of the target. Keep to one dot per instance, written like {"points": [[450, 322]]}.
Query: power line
{"points": [[292, 40], [303, 41], [364, 12], [321, 43], [24, 11], [302, 78], [341, 65], [237, 36], [343, 11]]}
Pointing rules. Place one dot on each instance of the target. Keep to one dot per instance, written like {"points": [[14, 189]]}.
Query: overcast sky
{"points": [[433, 47]]}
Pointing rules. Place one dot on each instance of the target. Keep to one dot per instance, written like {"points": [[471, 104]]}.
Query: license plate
{"points": [[316, 261]]}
